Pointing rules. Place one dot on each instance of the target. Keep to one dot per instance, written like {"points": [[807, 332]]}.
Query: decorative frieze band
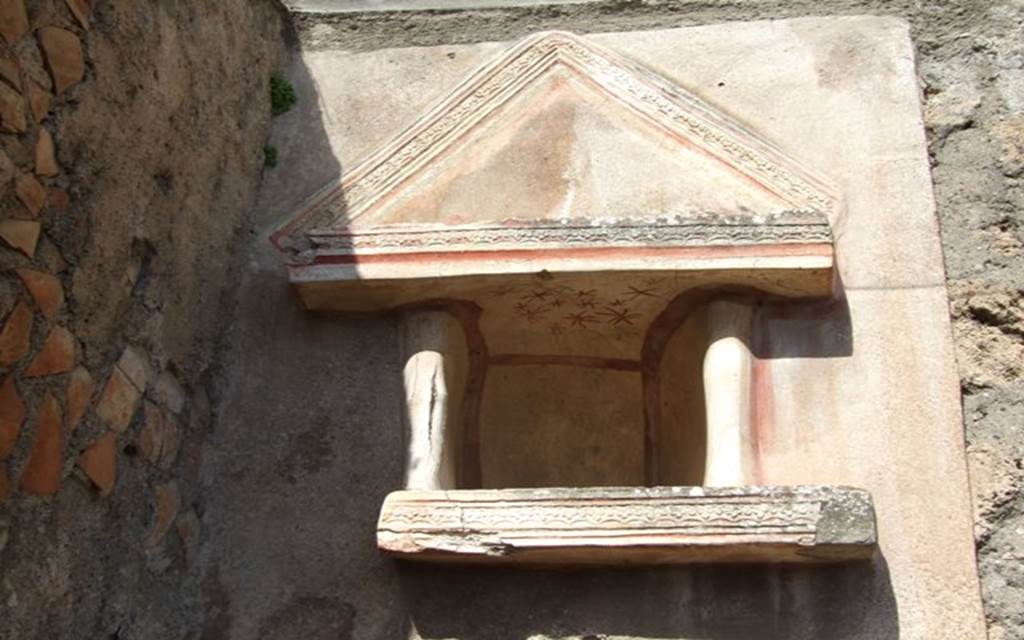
{"points": [[789, 228], [613, 525]]}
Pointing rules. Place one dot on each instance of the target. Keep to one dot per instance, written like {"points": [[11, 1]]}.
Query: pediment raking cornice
{"points": [[679, 113]]}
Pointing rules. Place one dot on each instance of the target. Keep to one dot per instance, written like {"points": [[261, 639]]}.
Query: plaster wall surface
{"points": [[333, 6], [842, 95]]}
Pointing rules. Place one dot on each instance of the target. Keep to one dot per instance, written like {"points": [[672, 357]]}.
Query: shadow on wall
{"points": [[851, 602], [307, 441]]}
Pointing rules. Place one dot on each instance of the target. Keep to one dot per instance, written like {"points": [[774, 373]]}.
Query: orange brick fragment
{"points": [[64, 56], [5, 483], [39, 100], [158, 439], [12, 416], [31, 193], [56, 356], [82, 10], [168, 502], [42, 473], [14, 338], [13, 20], [99, 462], [22, 235], [118, 403], [46, 155], [46, 290], [80, 388]]}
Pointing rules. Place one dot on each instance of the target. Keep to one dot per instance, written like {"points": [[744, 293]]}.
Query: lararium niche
{"points": [[578, 247]]}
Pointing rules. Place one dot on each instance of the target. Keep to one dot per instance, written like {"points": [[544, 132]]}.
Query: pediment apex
{"points": [[341, 209]]}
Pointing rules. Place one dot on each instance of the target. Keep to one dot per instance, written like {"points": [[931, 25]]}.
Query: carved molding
{"points": [[474, 100], [799, 227], [610, 525]]}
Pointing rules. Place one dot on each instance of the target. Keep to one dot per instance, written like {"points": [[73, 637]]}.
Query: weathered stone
{"points": [[56, 356], [996, 481], [82, 9], [117, 405], [99, 462], [64, 57], [952, 108], [188, 530], [79, 395], [168, 503], [39, 100], [43, 472], [16, 335], [168, 392], [614, 525], [12, 415], [31, 193], [1010, 135], [13, 20], [10, 72], [13, 114], [159, 437], [46, 159], [46, 290], [135, 365], [21, 235]]}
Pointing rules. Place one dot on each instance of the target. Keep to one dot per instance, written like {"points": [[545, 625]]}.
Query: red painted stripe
{"points": [[774, 250]]}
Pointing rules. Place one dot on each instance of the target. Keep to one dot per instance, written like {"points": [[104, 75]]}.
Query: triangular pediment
{"points": [[558, 129]]}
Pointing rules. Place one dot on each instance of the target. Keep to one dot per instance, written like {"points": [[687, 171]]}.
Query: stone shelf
{"points": [[604, 525]]}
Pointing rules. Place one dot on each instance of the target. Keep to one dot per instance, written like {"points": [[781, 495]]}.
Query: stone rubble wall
{"points": [[131, 146], [131, 139]]}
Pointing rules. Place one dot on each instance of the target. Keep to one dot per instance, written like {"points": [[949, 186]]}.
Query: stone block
{"points": [[159, 437], [630, 525], [12, 416], [16, 335], [135, 364], [31, 193], [13, 20], [168, 392], [21, 235], [46, 290], [79, 395], [117, 404], [99, 462], [64, 57], [13, 114], [39, 100], [10, 72], [82, 10], [42, 474], [46, 158], [167, 503], [57, 355]]}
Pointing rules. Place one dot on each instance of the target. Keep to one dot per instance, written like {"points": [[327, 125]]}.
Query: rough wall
{"points": [[158, 148], [131, 144]]}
